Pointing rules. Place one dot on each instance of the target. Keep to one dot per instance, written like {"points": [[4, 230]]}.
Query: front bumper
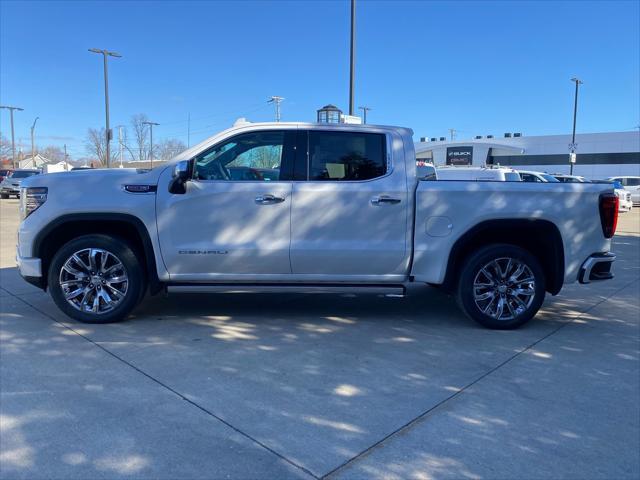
{"points": [[597, 267], [31, 270]]}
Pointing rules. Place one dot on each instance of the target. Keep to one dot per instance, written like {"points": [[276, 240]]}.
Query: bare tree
{"points": [[140, 132], [95, 145], [169, 148], [52, 152], [5, 148]]}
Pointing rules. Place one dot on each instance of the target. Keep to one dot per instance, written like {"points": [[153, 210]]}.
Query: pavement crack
{"points": [[415, 420], [170, 389]]}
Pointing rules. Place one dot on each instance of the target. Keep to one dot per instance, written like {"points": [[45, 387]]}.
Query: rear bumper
{"points": [[597, 267]]}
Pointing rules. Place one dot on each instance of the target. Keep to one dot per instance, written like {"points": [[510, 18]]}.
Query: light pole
{"points": [[105, 54], [151, 124], [33, 150], [572, 147], [364, 113], [13, 140], [352, 61]]}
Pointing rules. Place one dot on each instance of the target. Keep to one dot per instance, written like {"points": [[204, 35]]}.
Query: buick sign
{"points": [[459, 155]]}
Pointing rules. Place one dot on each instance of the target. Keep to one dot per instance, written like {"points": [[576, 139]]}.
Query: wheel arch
{"points": [[540, 237], [70, 226]]}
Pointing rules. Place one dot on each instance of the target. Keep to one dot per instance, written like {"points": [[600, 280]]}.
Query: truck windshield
{"points": [[19, 174], [549, 178]]}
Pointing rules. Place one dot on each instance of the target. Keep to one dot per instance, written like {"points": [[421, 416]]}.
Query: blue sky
{"points": [[480, 67]]}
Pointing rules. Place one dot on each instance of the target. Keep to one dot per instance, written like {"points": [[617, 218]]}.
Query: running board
{"points": [[389, 290]]}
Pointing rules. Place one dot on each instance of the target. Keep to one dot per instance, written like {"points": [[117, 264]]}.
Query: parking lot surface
{"points": [[304, 386]]}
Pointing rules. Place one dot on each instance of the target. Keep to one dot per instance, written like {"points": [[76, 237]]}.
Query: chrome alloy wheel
{"points": [[93, 280], [504, 288]]}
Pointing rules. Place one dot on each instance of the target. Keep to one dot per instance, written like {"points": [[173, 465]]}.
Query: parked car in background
{"points": [[625, 204], [537, 177], [624, 199], [11, 185], [4, 173], [632, 184], [561, 177], [498, 174]]}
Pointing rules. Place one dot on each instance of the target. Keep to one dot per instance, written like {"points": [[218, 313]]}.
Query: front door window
{"points": [[255, 156]]}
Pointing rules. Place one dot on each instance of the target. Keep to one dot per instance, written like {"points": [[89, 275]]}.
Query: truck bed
{"points": [[448, 209]]}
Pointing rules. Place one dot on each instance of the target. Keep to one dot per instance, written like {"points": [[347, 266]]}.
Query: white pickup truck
{"points": [[308, 208]]}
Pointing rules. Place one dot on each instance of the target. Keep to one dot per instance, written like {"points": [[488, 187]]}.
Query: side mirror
{"points": [[182, 170], [181, 174]]}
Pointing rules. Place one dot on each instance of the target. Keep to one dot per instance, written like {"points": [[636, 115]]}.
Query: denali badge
{"points": [[202, 252]]}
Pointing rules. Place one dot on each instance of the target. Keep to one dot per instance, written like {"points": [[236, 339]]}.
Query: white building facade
{"points": [[598, 155]]}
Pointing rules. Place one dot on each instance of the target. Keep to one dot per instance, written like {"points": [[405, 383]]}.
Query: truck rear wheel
{"points": [[96, 279], [501, 286]]}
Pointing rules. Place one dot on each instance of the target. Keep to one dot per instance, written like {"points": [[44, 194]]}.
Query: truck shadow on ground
{"points": [[319, 378]]}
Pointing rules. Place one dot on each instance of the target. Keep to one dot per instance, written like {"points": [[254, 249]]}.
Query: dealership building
{"points": [[598, 155]]}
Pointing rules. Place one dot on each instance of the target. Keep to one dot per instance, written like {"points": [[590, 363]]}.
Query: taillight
{"points": [[609, 213]]}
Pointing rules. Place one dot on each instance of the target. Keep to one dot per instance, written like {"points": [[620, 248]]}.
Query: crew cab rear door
{"points": [[349, 217], [233, 222]]}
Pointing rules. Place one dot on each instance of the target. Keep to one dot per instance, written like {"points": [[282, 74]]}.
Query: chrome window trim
{"points": [[388, 134]]}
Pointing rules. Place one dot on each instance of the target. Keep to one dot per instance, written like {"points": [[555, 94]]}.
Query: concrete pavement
{"points": [[264, 386]]}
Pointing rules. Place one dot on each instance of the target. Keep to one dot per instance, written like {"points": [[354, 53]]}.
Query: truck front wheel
{"points": [[96, 279], [501, 286]]}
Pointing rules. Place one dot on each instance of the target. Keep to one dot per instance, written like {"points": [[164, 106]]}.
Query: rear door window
{"points": [[632, 182], [346, 156]]}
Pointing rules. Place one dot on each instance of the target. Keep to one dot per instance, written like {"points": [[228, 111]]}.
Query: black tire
{"points": [[116, 247], [492, 315], [4, 196]]}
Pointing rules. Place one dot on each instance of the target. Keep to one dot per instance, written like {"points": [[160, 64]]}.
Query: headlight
{"points": [[30, 199]]}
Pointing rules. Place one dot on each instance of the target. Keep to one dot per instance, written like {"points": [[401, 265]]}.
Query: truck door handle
{"points": [[268, 199], [385, 200]]}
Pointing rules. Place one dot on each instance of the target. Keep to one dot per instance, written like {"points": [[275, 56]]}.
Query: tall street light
{"points": [[33, 151], [105, 54], [353, 55], [151, 124], [573, 146], [13, 139]]}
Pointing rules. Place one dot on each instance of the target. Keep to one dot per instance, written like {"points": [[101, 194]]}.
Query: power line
{"points": [[222, 114], [205, 128]]}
